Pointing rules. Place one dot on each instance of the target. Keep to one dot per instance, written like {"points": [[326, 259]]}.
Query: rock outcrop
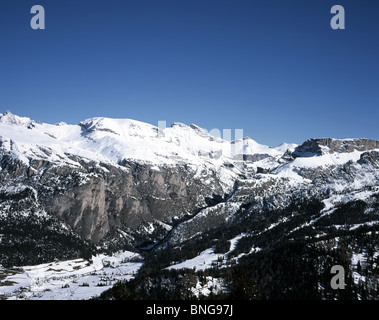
{"points": [[313, 147]]}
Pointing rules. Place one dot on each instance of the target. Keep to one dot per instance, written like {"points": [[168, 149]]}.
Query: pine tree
{"points": [[359, 268], [242, 286]]}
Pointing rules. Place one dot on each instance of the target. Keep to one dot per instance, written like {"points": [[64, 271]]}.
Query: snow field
{"points": [[206, 259], [65, 280]]}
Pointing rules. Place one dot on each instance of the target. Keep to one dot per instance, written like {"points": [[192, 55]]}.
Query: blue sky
{"points": [[273, 68]]}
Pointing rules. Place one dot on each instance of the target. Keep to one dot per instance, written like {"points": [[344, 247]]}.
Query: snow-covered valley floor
{"points": [[65, 280]]}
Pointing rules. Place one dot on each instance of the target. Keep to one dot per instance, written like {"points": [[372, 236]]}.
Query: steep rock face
{"points": [[349, 145], [29, 235], [95, 199]]}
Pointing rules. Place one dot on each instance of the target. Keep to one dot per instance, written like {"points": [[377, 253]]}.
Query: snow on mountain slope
{"points": [[111, 141], [292, 168], [249, 146], [104, 139], [283, 147], [208, 258], [324, 158]]}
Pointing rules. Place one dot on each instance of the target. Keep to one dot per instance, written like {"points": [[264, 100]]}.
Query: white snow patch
{"points": [[72, 279], [208, 258]]}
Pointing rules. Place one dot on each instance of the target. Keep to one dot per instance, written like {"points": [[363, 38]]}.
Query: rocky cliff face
{"points": [[95, 200], [313, 147]]}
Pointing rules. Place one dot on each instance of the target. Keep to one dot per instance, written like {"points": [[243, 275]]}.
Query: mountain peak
{"points": [[119, 127], [10, 119]]}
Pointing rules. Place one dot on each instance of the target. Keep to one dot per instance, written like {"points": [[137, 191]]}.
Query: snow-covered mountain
{"points": [[109, 184], [105, 173], [112, 141]]}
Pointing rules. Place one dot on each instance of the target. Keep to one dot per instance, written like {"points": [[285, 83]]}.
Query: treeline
{"points": [[181, 285], [290, 270], [29, 239], [296, 249]]}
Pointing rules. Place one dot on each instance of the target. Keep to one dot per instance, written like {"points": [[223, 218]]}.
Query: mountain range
{"points": [[193, 205]]}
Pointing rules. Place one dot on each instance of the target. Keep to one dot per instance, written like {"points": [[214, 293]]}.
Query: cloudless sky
{"points": [[274, 68]]}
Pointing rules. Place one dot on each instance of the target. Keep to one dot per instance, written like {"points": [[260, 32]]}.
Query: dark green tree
{"points": [[242, 286]]}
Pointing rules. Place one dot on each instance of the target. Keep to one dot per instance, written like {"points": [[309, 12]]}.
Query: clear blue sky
{"points": [[273, 68]]}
